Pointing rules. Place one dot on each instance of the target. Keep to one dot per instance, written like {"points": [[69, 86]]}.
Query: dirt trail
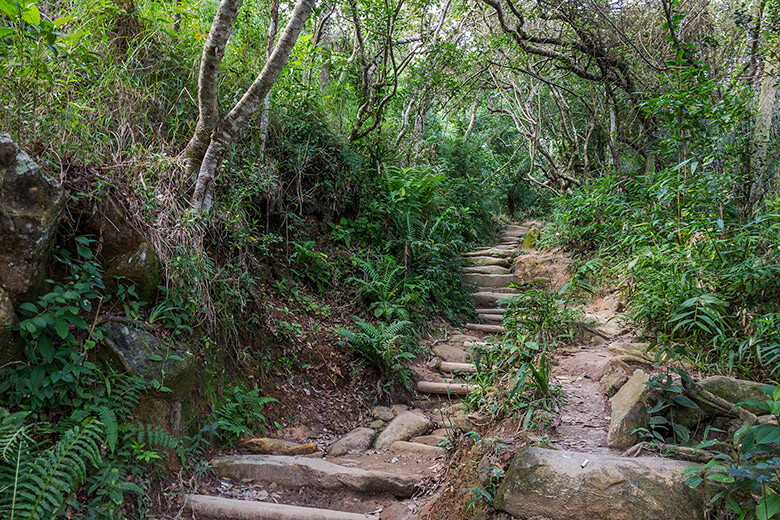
{"points": [[391, 467]]}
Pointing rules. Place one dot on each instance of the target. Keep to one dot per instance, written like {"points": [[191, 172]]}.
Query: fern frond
{"points": [[49, 478]]}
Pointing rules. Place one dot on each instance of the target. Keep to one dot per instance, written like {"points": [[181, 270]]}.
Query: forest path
{"points": [[389, 468]]}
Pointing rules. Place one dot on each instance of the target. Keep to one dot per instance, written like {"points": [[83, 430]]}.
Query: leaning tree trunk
{"points": [[764, 182], [213, 51], [265, 115], [250, 102]]}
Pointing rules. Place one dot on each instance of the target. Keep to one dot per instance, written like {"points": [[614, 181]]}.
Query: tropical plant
{"points": [[384, 345]]}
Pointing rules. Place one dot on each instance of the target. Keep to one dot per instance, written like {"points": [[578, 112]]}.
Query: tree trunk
{"points": [[213, 51], [247, 106], [265, 116], [764, 182]]}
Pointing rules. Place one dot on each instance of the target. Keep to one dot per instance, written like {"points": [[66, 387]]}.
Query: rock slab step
{"points": [[490, 281], [476, 261], [359, 439], [629, 411], [466, 368], [314, 473], [205, 506], [485, 327], [565, 485], [489, 298], [429, 387], [405, 426]]}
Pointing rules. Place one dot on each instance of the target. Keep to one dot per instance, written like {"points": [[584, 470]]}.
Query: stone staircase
{"points": [[489, 271], [381, 471]]}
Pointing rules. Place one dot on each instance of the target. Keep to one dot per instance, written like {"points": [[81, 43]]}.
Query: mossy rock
{"points": [[31, 204], [529, 242], [141, 353]]}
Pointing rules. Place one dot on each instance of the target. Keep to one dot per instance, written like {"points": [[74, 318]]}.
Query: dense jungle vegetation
{"points": [[307, 176]]}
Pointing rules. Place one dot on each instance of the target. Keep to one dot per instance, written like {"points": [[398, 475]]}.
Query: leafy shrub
{"points": [[384, 345], [241, 413], [541, 314]]}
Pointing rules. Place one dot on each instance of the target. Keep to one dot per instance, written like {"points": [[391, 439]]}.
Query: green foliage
{"points": [[57, 338], [241, 413], [746, 467], [384, 345], [512, 379], [541, 314]]}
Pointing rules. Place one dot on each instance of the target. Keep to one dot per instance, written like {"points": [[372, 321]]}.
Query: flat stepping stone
{"points": [[485, 327], [516, 229], [465, 368], [205, 506], [476, 261], [497, 252], [452, 353], [429, 387], [489, 298], [435, 452], [490, 281], [487, 269], [461, 338], [495, 318], [431, 440], [494, 310], [300, 472]]}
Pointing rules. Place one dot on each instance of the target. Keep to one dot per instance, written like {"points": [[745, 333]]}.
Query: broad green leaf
{"points": [[768, 506], [31, 14]]}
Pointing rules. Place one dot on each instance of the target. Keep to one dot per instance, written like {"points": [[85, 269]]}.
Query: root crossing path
{"points": [[389, 468]]}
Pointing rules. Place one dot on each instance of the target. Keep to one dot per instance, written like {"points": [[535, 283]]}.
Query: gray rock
{"points": [[31, 203], [359, 439], [614, 377], [300, 472], [405, 426], [629, 411], [11, 347], [139, 352], [382, 412], [126, 255], [476, 261], [376, 424], [736, 390], [563, 485]]}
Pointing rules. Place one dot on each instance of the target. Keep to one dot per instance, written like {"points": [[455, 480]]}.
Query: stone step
{"points": [[491, 318], [435, 452], [205, 506], [506, 290], [449, 367], [452, 353], [516, 229], [313, 473], [495, 252], [490, 281], [485, 327], [493, 310], [489, 298], [487, 269], [562, 485], [476, 261], [429, 387], [430, 440]]}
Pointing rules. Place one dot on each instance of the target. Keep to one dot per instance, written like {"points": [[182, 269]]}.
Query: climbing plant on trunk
{"points": [[213, 135]]}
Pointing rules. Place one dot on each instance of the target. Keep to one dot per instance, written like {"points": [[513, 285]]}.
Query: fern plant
{"points": [[384, 284], [34, 486], [382, 345]]}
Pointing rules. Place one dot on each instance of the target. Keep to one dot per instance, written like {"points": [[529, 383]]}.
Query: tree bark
{"points": [[213, 52], [265, 116], [250, 102], [764, 182]]}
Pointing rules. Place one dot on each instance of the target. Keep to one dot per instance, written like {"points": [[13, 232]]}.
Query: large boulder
{"points": [[31, 203], [564, 485], [126, 254], [139, 352], [405, 426], [359, 439], [736, 390], [629, 411], [11, 348]]}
